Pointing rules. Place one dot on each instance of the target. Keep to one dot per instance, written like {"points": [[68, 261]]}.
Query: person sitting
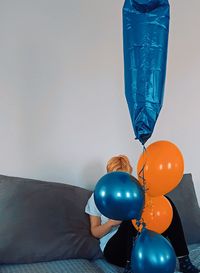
{"points": [[117, 237]]}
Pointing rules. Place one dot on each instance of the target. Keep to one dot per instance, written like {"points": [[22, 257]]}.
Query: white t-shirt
{"points": [[91, 209]]}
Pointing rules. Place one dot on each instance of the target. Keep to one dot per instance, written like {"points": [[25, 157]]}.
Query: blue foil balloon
{"points": [[119, 196], [152, 253], [145, 39]]}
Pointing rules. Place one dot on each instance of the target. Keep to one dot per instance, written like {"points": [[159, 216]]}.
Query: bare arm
{"points": [[98, 230]]}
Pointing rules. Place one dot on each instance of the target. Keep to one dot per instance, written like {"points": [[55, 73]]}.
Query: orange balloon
{"points": [[157, 214], [163, 167]]}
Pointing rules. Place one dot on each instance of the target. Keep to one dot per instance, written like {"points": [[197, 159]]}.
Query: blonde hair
{"points": [[119, 163]]}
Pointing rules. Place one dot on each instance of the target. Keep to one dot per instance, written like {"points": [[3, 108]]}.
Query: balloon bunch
{"points": [[120, 196], [162, 165]]}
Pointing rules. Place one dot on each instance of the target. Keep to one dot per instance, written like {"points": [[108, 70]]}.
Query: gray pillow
{"points": [[43, 221], [186, 202]]}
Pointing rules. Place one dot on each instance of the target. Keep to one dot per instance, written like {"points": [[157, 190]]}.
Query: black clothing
{"points": [[118, 249]]}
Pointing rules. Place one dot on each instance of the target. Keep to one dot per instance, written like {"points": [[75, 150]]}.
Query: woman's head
{"points": [[119, 163]]}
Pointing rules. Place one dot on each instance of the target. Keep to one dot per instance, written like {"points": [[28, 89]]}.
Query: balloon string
{"points": [[141, 172], [141, 176]]}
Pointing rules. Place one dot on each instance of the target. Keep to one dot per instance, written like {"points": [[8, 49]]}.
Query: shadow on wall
{"points": [[92, 172]]}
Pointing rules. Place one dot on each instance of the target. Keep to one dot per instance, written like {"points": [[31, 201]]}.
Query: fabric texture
{"points": [[185, 200], [186, 265], [119, 247], [92, 209], [65, 266], [175, 233], [81, 265], [44, 221]]}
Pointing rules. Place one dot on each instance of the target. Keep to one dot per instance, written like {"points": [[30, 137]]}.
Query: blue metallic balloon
{"points": [[152, 253], [119, 196], [145, 39]]}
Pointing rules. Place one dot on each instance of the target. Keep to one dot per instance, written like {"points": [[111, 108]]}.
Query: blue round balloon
{"points": [[152, 253], [119, 196]]}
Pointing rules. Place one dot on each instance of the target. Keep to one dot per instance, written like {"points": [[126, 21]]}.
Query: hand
{"points": [[114, 223]]}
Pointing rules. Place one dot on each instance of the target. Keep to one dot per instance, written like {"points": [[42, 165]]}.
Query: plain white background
{"points": [[63, 112]]}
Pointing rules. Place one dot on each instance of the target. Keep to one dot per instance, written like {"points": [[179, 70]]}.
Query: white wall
{"points": [[63, 112]]}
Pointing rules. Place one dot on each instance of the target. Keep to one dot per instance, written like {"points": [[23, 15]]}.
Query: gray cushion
{"points": [[186, 202], [43, 221]]}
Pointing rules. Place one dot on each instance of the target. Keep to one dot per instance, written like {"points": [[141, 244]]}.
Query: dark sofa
{"points": [[43, 227]]}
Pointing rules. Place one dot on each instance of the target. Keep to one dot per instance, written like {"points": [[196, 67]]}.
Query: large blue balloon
{"points": [[152, 253], [145, 36], [119, 196]]}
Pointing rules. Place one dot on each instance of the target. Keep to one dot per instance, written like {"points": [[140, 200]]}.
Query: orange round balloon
{"points": [[157, 214], [163, 166]]}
